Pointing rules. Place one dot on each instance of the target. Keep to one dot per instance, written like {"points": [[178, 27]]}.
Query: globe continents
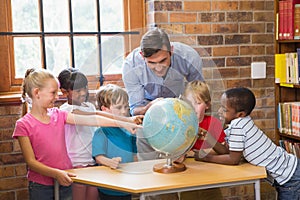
{"points": [[170, 126]]}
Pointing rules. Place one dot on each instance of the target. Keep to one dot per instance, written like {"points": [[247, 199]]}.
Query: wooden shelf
{"points": [[284, 92], [287, 41], [293, 137]]}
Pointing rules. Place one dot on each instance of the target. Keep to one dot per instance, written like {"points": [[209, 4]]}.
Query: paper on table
{"points": [[141, 167]]}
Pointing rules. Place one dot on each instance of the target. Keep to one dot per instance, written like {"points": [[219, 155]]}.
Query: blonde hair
{"points": [[110, 94], [199, 90], [34, 78]]}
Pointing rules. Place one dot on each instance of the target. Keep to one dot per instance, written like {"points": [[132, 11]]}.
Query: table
{"points": [[198, 175]]}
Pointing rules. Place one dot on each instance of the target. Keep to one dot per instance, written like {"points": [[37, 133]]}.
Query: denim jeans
{"points": [[46, 192], [291, 189]]}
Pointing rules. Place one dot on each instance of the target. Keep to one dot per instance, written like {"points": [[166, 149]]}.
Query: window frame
{"points": [[134, 19]]}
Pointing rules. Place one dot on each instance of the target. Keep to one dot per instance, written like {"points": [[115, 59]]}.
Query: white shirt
{"points": [[243, 135], [79, 138]]}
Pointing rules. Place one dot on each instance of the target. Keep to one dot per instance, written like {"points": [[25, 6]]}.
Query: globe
{"points": [[171, 126]]}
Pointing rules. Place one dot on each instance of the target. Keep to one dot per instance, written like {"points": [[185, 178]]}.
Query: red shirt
{"points": [[214, 127]]}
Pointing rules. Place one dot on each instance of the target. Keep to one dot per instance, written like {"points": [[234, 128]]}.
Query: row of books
{"points": [[289, 118], [287, 67], [291, 147], [288, 20]]}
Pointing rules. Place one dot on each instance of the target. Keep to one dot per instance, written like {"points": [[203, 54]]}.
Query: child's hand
{"points": [[202, 133], [200, 154], [114, 162], [138, 119], [181, 159], [131, 127], [63, 177]]}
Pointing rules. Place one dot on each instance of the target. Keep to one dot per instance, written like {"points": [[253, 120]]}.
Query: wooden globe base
{"points": [[167, 169]]}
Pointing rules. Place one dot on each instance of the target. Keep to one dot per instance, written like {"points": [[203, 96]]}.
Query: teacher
{"points": [[157, 69]]}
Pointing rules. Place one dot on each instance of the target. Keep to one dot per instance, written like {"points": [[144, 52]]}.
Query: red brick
{"points": [[13, 183], [252, 5], [7, 195], [239, 17], [172, 28], [167, 5], [238, 61], [212, 17], [183, 17], [7, 159], [197, 28], [21, 170], [264, 16], [8, 171], [6, 134], [252, 28], [160, 17], [224, 5], [252, 50], [197, 6], [226, 51], [225, 28], [22, 194], [6, 147], [263, 39]]}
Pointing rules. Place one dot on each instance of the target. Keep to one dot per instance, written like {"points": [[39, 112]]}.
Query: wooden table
{"points": [[138, 178]]}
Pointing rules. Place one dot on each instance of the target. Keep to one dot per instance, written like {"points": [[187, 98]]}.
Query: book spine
{"points": [[290, 19], [281, 16], [285, 21], [280, 68], [297, 21], [298, 63], [288, 68]]}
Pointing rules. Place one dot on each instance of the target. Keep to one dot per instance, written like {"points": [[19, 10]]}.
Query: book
{"points": [[286, 10], [297, 22], [289, 23], [281, 15], [295, 118], [285, 21], [294, 67], [298, 63], [280, 68], [288, 68]]}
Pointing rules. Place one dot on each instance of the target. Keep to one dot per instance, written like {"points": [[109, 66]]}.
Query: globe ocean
{"points": [[171, 126]]}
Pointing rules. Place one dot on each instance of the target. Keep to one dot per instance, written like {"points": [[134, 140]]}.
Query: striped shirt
{"points": [[243, 135]]}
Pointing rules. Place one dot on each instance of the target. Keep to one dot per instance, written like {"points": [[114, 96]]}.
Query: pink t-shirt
{"points": [[47, 140]]}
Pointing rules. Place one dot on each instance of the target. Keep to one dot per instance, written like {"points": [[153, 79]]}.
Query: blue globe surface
{"points": [[171, 126]]}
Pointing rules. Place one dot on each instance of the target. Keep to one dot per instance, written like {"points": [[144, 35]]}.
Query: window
{"points": [[93, 36]]}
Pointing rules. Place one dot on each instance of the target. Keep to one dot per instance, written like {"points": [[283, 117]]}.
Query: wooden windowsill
{"points": [[10, 98], [15, 98]]}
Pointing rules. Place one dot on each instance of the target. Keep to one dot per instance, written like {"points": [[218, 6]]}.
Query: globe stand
{"points": [[169, 167]]}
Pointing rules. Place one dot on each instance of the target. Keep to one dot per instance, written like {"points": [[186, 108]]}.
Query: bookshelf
{"points": [[284, 92]]}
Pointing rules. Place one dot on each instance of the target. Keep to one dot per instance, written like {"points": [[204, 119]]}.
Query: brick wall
{"points": [[13, 181], [228, 34]]}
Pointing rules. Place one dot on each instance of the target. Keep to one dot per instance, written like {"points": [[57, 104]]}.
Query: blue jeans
{"points": [[46, 192], [291, 189]]}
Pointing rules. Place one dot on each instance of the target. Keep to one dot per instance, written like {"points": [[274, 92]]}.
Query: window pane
{"points": [[56, 16], [27, 54], [84, 16], [25, 15], [57, 53], [112, 54], [86, 55], [112, 15]]}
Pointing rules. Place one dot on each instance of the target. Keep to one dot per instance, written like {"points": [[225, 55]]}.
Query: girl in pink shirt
{"points": [[41, 135]]}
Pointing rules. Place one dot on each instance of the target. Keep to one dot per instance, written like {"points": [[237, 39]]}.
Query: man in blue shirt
{"points": [[157, 69]]}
